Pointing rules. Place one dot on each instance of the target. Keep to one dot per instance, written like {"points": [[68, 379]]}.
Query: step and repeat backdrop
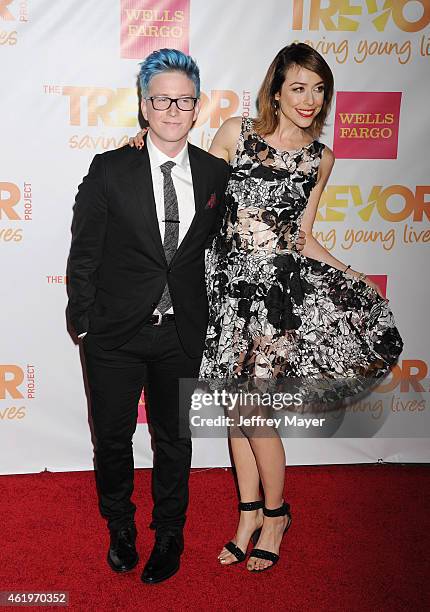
{"points": [[68, 91]]}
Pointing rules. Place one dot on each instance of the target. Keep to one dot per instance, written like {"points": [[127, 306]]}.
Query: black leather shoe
{"points": [[164, 559], [122, 554]]}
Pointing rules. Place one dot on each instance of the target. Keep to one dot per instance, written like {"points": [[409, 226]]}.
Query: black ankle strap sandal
{"points": [[231, 546], [259, 553], [245, 506], [283, 510]]}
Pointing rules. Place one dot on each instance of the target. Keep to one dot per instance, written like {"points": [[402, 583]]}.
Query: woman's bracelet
{"points": [[361, 275]]}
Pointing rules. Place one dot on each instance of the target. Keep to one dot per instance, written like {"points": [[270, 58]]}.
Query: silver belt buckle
{"points": [[160, 318]]}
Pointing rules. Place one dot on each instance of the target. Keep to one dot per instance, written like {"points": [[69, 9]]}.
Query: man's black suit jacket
{"points": [[117, 269]]}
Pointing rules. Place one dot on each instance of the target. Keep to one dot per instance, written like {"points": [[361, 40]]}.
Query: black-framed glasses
{"points": [[186, 103]]}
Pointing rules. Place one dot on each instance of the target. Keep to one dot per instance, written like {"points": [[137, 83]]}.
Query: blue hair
{"points": [[168, 60]]}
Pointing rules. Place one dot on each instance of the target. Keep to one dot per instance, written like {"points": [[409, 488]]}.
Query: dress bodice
{"points": [[268, 192]]}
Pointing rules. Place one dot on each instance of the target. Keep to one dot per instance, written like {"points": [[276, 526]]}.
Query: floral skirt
{"points": [[273, 316]]}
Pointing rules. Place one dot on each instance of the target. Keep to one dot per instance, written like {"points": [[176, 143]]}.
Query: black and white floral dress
{"points": [[274, 313]]}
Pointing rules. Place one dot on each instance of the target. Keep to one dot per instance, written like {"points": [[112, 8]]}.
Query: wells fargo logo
{"points": [[16, 383], [349, 15], [16, 207], [11, 12], [367, 124], [104, 107], [147, 25]]}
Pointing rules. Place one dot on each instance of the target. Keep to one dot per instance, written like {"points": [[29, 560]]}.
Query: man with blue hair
{"points": [[137, 298]]}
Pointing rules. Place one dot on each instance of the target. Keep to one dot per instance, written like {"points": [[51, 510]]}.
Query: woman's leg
{"points": [[269, 457], [249, 489]]}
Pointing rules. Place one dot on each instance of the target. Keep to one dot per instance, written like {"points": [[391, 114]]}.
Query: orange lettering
{"points": [[7, 204], [5, 12], [410, 26], [10, 384]]}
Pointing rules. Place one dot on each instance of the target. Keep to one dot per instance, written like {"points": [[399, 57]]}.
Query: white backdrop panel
{"points": [[67, 93]]}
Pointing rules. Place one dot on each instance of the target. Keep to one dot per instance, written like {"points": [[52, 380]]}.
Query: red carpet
{"points": [[359, 542]]}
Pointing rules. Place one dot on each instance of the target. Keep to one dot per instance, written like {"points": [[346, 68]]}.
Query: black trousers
{"points": [[156, 359]]}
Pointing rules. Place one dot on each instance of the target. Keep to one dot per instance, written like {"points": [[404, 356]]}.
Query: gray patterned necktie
{"points": [[171, 228]]}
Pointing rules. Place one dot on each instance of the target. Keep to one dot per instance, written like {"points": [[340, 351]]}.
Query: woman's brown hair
{"points": [[296, 54]]}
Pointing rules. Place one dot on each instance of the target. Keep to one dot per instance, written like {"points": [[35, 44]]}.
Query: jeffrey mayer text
{"points": [[255, 421]]}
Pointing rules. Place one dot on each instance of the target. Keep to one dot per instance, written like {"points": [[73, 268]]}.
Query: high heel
{"points": [[231, 546], [255, 536], [260, 553]]}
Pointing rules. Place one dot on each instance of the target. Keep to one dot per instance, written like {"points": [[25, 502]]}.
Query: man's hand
{"points": [[301, 241]]}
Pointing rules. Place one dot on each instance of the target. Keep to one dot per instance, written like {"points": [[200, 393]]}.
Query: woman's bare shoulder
{"points": [[326, 165], [231, 127], [328, 155], [225, 140]]}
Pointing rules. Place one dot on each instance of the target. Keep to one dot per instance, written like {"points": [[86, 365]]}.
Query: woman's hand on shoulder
{"points": [[225, 140], [137, 141]]}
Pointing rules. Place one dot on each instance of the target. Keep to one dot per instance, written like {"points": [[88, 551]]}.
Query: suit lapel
{"points": [[199, 187], [199, 178], [144, 199]]}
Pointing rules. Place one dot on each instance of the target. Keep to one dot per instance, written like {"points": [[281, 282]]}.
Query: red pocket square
{"points": [[211, 203]]}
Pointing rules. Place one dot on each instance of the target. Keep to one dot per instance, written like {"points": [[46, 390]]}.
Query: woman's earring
{"points": [[276, 107]]}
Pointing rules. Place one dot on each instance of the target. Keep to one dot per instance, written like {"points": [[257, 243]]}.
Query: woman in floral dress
{"points": [[274, 312]]}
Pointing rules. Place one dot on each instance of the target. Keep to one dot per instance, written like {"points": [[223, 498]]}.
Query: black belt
{"points": [[157, 319]]}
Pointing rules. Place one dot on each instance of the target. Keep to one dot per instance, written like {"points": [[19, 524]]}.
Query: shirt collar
{"points": [[157, 157]]}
